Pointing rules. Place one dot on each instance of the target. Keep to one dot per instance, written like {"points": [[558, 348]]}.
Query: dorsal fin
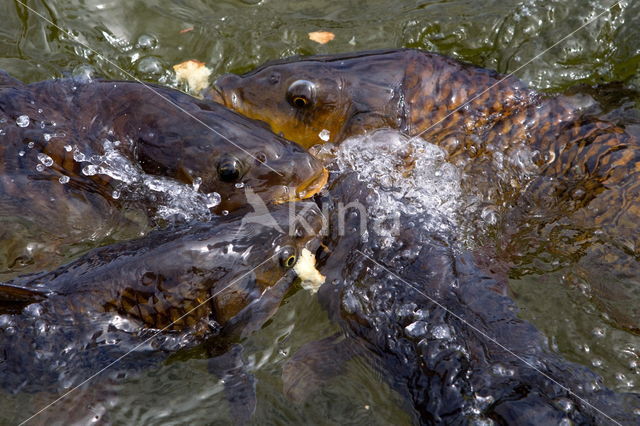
{"points": [[10, 293]]}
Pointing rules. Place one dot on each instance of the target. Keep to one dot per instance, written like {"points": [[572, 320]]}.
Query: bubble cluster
{"points": [[408, 177]]}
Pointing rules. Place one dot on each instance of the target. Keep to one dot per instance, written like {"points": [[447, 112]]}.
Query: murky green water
{"points": [[143, 39]]}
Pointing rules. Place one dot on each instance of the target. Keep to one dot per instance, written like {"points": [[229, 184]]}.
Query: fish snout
{"points": [[309, 176], [226, 88]]}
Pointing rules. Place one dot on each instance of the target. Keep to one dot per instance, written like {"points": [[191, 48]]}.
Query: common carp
{"points": [[72, 153], [439, 329], [210, 283], [478, 116], [554, 176]]}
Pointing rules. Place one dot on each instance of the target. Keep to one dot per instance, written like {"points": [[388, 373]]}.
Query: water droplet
{"points": [[78, 156], [416, 329], [225, 212], [115, 194], [197, 181], [441, 332], [45, 159], [239, 185], [90, 170], [21, 153], [39, 110], [31, 144], [23, 121], [146, 41], [150, 65], [40, 167], [63, 179], [324, 135], [213, 199], [68, 148]]}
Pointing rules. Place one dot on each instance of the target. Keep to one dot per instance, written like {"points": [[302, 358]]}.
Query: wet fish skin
{"points": [[156, 130], [194, 283], [579, 172], [444, 362], [472, 112], [163, 131]]}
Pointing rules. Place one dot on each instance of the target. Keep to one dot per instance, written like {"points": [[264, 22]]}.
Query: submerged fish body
{"points": [[73, 153], [442, 331], [204, 282]]}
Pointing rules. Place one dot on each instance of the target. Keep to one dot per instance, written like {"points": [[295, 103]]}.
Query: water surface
{"points": [[126, 40]]}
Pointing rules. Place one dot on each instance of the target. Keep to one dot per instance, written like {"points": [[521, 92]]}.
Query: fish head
{"points": [[320, 98]]}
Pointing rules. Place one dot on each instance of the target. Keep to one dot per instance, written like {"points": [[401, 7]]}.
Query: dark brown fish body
{"points": [[439, 329], [73, 153], [221, 280], [471, 112]]}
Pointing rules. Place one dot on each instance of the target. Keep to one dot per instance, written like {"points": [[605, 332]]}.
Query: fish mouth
{"points": [[217, 96], [312, 186], [308, 188]]}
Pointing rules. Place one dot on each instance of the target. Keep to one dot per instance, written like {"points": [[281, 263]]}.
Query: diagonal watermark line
{"points": [[120, 358], [486, 336], [516, 70], [147, 86]]}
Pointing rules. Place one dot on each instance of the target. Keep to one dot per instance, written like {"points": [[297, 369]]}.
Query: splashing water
{"points": [[408, 177], [172, 199]]}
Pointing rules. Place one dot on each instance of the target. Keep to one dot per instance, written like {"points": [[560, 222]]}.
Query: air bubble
{"points": [[90, 170], [45, 159], [22, 121], [324, 135], [213, 199]]}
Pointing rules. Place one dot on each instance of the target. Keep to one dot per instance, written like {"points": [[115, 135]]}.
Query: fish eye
{"points": [[301, 93], [229, 169], [288, 257]]}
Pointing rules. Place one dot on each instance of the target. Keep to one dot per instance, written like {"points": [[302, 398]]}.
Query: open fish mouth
{"points": [[216, 95], [312, 186], [308, 188]]}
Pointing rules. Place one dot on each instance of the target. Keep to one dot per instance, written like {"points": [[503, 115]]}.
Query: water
{"points": [[143, 40], [409, 177]]}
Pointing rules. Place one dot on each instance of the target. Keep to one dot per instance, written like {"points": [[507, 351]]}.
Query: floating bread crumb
{"points": [[305, 267], [322, 37], [195, 73]]}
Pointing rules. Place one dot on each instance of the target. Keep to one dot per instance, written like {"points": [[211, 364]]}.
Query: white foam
{"points": [[408, 177]]}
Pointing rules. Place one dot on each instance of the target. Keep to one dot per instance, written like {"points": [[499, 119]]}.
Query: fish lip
{"points": [[309, 188], [312, 186], [217, 95]]}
